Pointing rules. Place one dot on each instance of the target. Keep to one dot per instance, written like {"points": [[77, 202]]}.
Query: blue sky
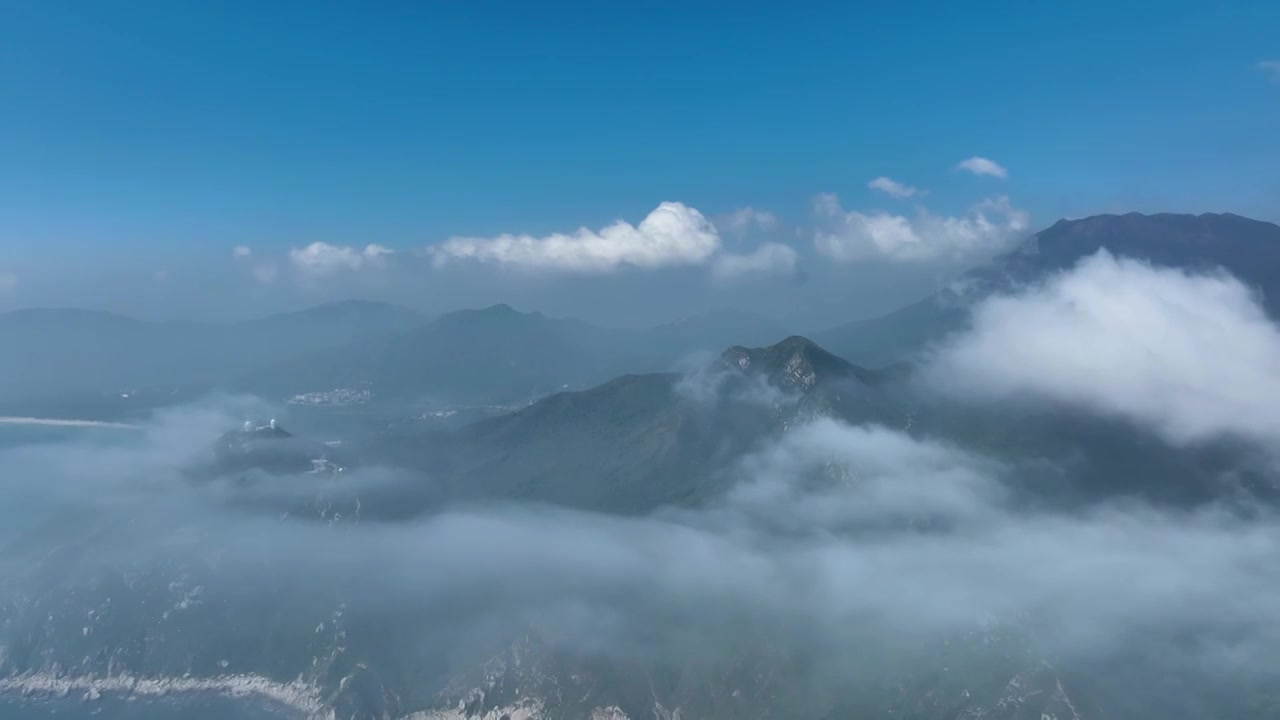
{"points": [[148, 139]]}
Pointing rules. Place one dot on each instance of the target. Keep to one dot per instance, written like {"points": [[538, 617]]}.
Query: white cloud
{"points": [[671, 235], [983, 166], [849, 236], [892, 188], [770, 258], [1192, 356], [1272, 68], [322, 259], [162, 276], [8, 282], [743, 220], [241, 252]]}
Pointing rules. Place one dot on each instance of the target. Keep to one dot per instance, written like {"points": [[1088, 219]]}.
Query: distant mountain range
{"points": [[64, 351], [390, 356], [500, 355], [100, 364]]}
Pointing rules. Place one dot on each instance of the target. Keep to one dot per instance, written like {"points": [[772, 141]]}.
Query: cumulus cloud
{"points": [[768, 259], [1271, 68], [322, 259], [672, 235], [240, 252], [850, 235], [982, 166], [744, 220], [893, 188], [8, 282], [1192, 355]]}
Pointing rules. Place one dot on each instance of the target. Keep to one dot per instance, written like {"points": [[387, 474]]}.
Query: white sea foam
{"points": [[295, 698]]}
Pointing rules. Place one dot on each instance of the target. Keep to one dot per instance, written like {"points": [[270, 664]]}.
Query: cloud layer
{"points": [[1192, 355], [672, 235], [865, 537], [849, 235]]}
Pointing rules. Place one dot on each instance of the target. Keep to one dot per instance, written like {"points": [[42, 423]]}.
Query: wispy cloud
{"points": [[743, 220], [893, 188], [322, 259], [769, 259], [265, 271], [1271, 68], [672, 235], [983, 166], [8, 282], [850, 235]]}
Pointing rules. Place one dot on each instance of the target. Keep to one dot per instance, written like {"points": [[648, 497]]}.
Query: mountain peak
{"points": [[499, 311], [794, 363], [500, 315]]}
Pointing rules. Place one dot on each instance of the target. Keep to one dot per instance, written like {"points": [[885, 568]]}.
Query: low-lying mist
{"points": [[844, 545]]}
